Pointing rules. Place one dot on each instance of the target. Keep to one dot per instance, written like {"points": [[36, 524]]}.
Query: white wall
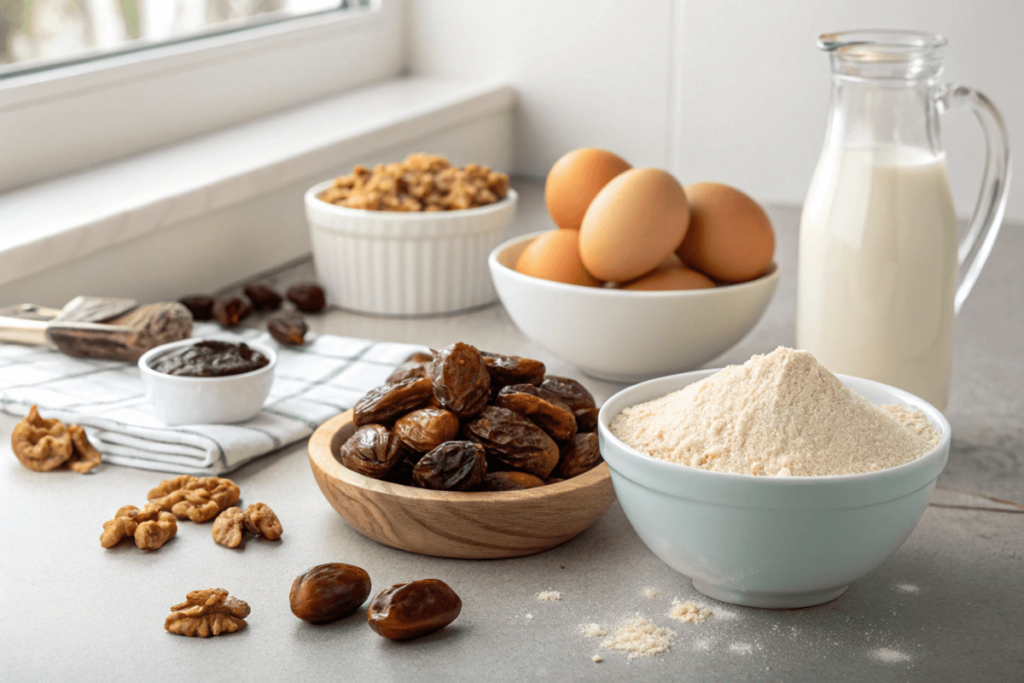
{"points": [[730, 90]]}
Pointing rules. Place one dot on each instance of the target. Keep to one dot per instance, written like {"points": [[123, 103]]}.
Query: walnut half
{"points": [[206, 613], [150, 526], [198, 498], [257, 519], [40, 444]]}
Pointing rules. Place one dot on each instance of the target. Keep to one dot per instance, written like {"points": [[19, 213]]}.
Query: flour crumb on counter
{"points": [[592, 630], [651, 593], [741, 648], [889, 656], [549, 596], [596, 658], [640, 638], [688, 611], [907, 588], [529, 616]]}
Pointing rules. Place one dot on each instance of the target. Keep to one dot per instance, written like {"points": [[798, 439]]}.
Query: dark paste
{"points": [[210, 359]]}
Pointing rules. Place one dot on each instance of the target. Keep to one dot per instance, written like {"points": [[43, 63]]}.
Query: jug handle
{"points": [[991, 205]]}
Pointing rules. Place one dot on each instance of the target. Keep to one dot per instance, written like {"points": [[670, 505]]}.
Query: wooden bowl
{"points": [[475, 525]]}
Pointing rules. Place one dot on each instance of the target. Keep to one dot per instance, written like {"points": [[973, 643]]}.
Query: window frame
{"points": [[129, 102]]}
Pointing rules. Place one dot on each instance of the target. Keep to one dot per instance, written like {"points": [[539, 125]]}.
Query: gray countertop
{"points": [[948, 605]]}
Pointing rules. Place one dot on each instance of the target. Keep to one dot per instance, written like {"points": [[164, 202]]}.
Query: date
{"points": [[505, 370], [427, 428], [328, 592], [410, 610], [371, 451], [541, 407], [288, 328], [307, 297], [580, 455], [460, 379], [389, 401], [514, 440], [263, 298], [231, 311], [510, 481], [452, 466], [569, 391]]}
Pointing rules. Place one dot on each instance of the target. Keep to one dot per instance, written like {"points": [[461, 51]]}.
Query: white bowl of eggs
{"points": [[643, 278]]}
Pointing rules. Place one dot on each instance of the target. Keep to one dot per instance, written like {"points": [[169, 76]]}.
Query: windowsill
{"points": [[50, 223]]}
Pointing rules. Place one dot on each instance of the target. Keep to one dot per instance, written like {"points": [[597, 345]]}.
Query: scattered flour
{"points": [[884, 654], [688, 611], [907, 588], [549, 595], [592, 630], [740, 648], [640, 638], [651, 593], [780, 414], [596, 658], [529, 616]]}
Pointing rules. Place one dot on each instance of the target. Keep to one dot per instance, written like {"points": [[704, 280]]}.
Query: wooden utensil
{"points": [[97, 327], [471, 525]]}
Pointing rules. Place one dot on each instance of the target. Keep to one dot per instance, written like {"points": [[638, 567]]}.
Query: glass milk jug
{"points": [[879, 258]]}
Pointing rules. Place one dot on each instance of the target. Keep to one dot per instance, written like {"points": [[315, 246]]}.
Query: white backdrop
{"points": [[728, 90]]}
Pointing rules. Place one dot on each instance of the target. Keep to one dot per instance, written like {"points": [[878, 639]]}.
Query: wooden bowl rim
{"points": [[322, 457]]}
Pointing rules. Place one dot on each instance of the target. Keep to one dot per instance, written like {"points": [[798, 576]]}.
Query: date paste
{"points": [[210, 359]]}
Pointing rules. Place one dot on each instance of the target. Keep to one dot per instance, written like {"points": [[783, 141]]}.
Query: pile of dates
{"points": [[466, 420]]}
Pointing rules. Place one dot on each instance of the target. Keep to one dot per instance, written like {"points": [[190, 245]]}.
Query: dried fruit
{"points": [[460, 378], [580, 455], [260, 520], [40, 444], [231, 311], [198, 498], [505, 370], [410, 610], [427, 428], [510, 481], [228, 528], [207, 613], [200, 306], [452, 466], [514, 440], [328, 592], [586, 419], [152, 534], [288, 328], [420, 357], [263, 298], [569, 391], [307, 297], [401, 473], [388, 401], [371, 451], [541, 406], [84, 455], [410, 369]]}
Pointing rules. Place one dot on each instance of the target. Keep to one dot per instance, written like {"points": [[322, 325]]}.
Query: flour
{"points": [[688, 611], [640, 638], [549, 596], [780, 414]]}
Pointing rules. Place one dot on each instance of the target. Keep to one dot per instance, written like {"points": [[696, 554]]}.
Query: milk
{"points": [[878, 268]]}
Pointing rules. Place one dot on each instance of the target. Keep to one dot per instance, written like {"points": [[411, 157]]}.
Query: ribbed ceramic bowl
{"points": [[775, 542], [405, 264], [627, 336]]}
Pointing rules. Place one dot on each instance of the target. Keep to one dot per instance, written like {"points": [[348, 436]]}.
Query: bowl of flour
{"points": [[774, 483]]}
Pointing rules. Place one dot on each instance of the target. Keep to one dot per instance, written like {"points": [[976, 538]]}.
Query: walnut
{"points": [[154, 533], [422, 182], [150, 527], [84, 455], [198, 498], [41, 445], [228, 528], [207, 613], [258, 519]]}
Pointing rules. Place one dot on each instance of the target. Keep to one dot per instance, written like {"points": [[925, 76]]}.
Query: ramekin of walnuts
{"points": [[409, 238], [463, 453]]}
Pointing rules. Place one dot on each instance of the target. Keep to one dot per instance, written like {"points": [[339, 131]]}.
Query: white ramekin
{"points": [[396, 263], [206, 400]]}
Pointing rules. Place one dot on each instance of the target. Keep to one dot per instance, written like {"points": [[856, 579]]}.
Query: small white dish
{"points": [[627, 336], [206, 400], [771, 542], [405, 264]]}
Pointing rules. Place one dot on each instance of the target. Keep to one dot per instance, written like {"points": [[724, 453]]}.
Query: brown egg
{"points": [[670, 274], [730, 237], [634, 222], [575, 180], [555, 256]]}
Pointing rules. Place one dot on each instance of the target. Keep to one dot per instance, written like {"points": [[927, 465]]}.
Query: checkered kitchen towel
{"points": [[312, 383]]}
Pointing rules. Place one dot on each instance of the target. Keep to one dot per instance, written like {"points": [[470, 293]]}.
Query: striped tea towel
{"points": [[312, 383]]}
